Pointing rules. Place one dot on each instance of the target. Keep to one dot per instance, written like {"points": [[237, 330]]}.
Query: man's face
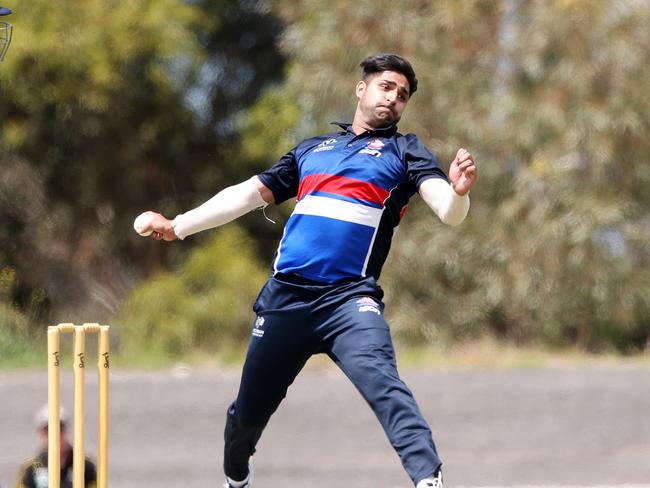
{"points": [[383, 98]]}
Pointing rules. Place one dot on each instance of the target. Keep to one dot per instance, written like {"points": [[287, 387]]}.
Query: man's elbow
{"points": [[264, 191]]}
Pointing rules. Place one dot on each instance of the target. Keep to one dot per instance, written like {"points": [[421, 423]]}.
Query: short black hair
{"points": [[378, 63]]}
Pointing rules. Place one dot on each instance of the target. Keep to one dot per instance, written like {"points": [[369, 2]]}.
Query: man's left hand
{"points": [[462, 172]]}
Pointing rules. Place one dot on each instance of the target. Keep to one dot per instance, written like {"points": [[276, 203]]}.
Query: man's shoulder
{"points": [[28, 470], [33, 463], [411, 144], [408, 138], [90, 464], [91, 472], [326, 139]]}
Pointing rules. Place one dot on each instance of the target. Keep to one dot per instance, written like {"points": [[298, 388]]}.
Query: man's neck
{"points": [[360, 127]]}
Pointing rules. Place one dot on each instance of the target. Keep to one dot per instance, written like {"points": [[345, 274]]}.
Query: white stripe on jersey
{"points": [[339, 210], [279, 251]]}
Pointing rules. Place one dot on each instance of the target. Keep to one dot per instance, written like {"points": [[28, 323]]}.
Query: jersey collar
{"points": [[380, 131]]}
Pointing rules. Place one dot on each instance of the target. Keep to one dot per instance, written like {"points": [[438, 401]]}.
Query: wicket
{"points": [[54, 401]]}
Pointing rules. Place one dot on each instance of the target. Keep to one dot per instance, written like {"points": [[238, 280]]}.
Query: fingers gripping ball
{"points": [[142, 224]]}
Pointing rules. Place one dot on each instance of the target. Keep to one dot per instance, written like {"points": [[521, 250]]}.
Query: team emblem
{"points": [[327, 145], [257, 330], [367, 304], [373, 148], [376, 144]]}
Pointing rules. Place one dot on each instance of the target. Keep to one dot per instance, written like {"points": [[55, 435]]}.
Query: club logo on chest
{"points": [[373, 148]]}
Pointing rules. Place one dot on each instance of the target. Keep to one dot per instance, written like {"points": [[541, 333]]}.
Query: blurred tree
{"points": [[551, 97], [113, 108], [108, 109]]}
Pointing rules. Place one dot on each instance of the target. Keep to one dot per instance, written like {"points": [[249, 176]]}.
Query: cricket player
{"points": [[351, 187]]}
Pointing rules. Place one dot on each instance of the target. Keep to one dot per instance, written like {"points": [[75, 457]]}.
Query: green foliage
{"points": [[267, 129], [109, 109], [203, 307], [551, 98], [17, 341], [16, 348]]}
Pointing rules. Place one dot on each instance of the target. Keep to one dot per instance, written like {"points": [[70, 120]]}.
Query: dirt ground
{"points": [[493, 427]]}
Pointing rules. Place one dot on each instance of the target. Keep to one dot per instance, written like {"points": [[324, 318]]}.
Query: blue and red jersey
{"points": [[351, 192]]}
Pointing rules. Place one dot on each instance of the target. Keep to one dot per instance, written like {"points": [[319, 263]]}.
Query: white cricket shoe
{"points": [[237, 484], [435, 482], [247, 483]]}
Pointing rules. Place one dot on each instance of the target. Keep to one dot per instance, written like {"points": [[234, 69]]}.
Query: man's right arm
{"points": [[227, 205], [275, 185]]}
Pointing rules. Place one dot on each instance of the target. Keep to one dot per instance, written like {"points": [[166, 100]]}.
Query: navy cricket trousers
{"points": [[296, 319]]}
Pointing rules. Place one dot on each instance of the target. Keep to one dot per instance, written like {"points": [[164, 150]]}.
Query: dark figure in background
{"points": [[34, 473]]}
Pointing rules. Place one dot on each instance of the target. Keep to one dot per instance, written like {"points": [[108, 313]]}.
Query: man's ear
{"points": [[361, 87]]}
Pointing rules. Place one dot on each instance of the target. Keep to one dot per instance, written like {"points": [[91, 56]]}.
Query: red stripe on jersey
{"points": [[341, 185]]}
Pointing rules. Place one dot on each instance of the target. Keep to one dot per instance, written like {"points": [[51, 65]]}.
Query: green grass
{"points": [[482, 353], [152, 359], [20, 354], [488, 352]]}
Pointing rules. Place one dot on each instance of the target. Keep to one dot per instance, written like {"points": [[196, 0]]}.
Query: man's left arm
{"points": [[450, 201]]}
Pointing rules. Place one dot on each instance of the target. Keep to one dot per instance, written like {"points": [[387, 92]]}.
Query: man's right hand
{"points": [[159, 226]]}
